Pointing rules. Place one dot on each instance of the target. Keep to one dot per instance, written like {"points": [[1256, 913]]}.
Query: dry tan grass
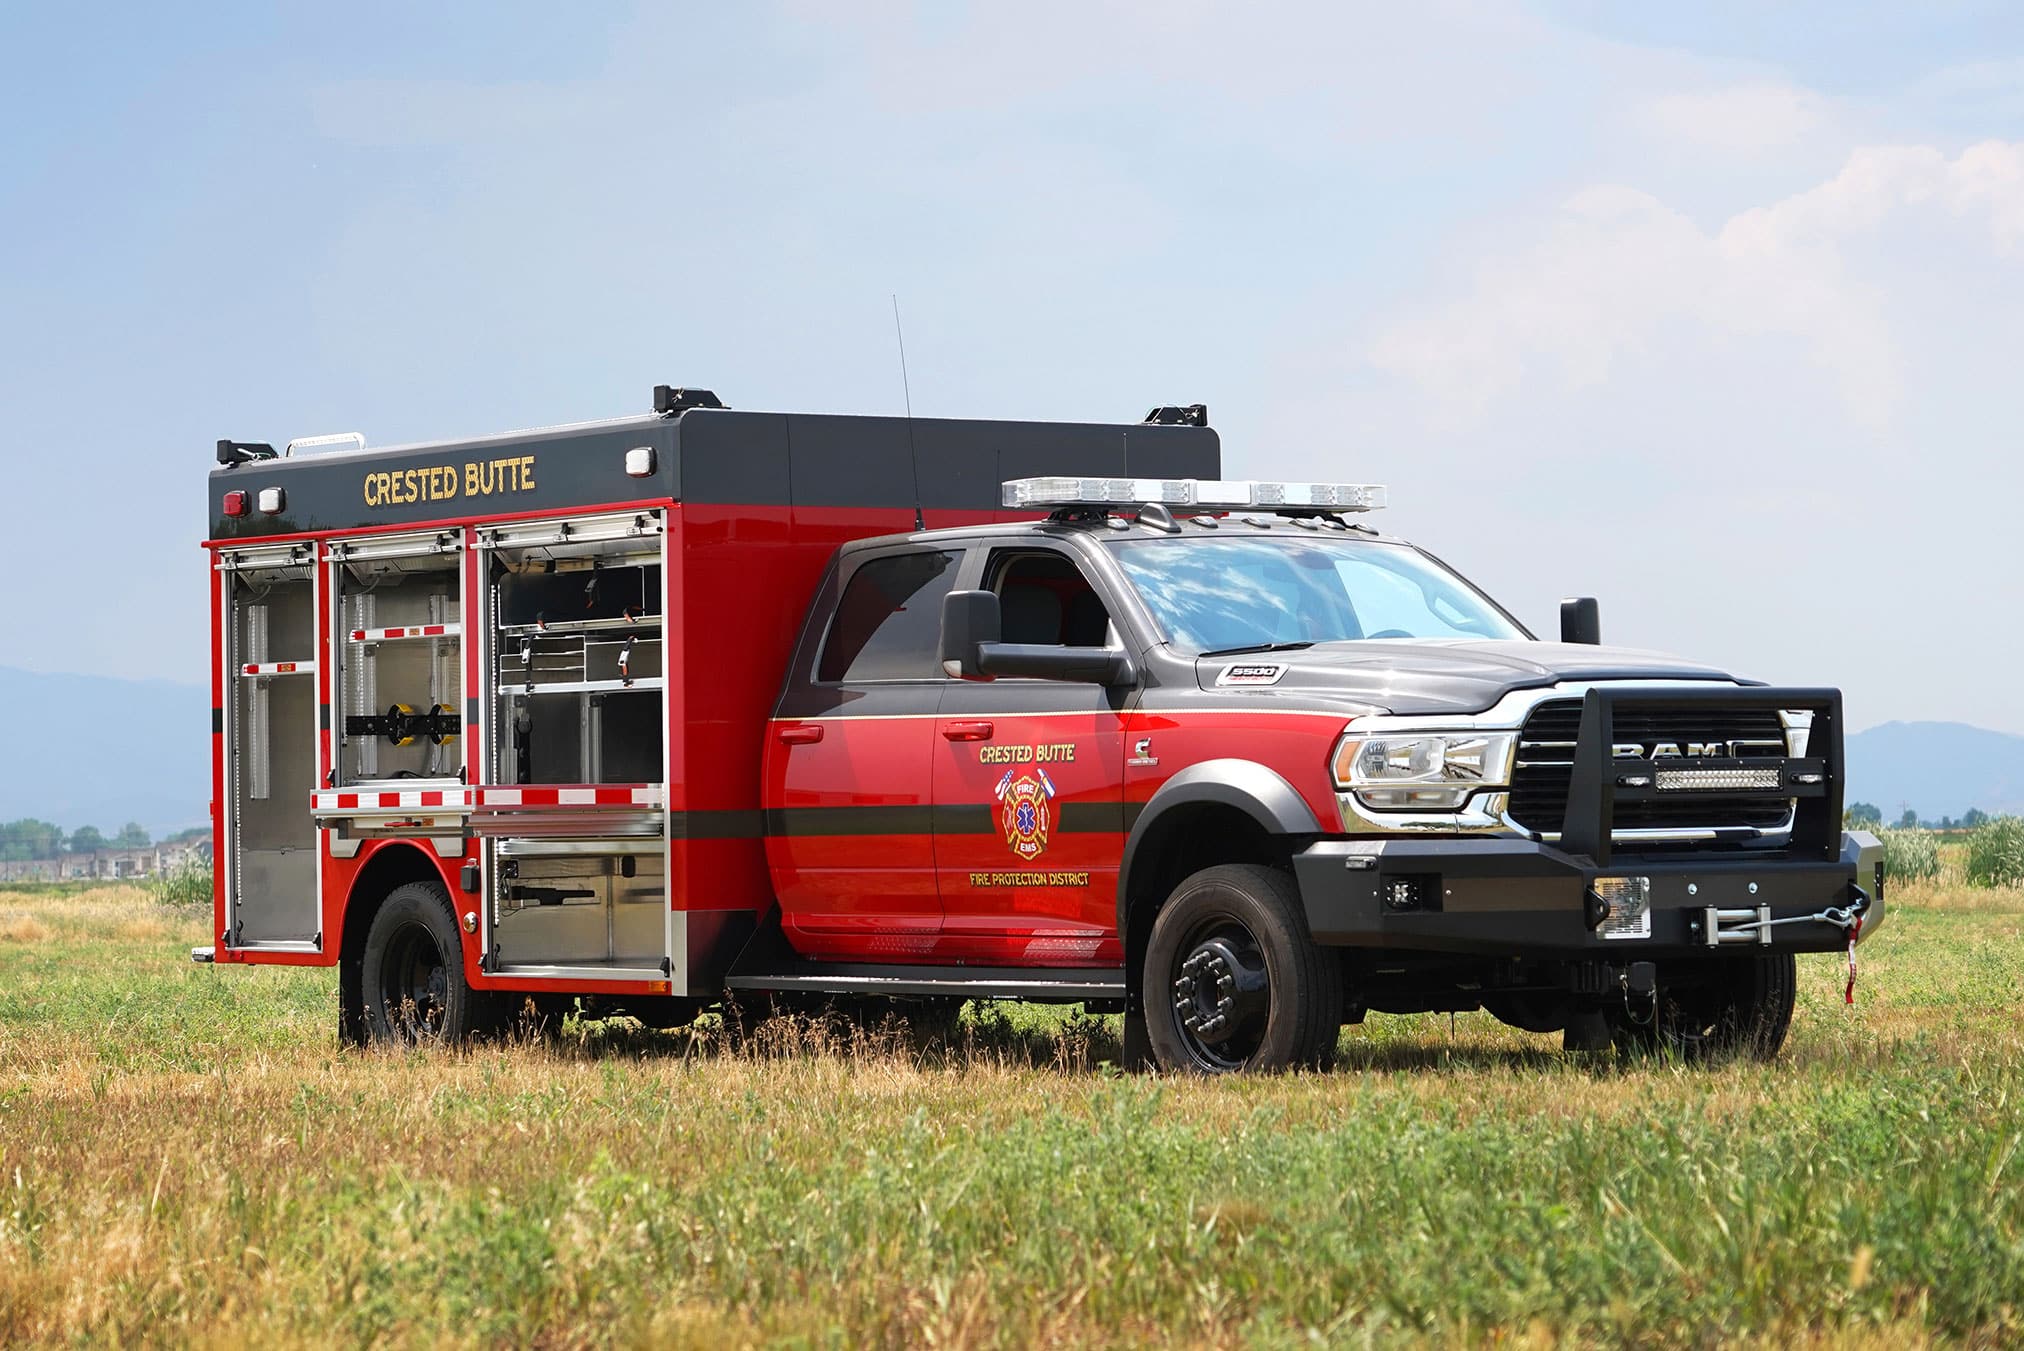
{"points": [[187, 1154], [20, 928]]}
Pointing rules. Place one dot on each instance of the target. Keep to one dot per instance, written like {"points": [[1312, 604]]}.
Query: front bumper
{"points": [[1516, 898]]}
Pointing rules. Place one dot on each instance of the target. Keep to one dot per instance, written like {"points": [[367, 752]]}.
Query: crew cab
{"points": [[1212, 754]]}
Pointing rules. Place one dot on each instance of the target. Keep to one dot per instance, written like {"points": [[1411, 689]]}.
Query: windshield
{"points": [[1248, 592]]}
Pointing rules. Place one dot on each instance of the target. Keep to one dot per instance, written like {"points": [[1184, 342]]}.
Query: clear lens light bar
{"points": [[1208, 494]]}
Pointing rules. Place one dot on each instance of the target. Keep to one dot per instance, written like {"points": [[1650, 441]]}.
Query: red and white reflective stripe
{"points": [[600, 795], [414, 799], [465, 799], [259, 668], [411, 631]]}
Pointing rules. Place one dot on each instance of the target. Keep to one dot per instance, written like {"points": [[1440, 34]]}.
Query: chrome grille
{"points": [[1546, 762]]}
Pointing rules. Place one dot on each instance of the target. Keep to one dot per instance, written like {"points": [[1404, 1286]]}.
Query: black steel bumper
{"points": [[1516, 898]]}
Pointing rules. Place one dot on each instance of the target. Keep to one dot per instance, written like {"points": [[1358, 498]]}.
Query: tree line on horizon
{"points": [[1865, 814], [28, 839]]}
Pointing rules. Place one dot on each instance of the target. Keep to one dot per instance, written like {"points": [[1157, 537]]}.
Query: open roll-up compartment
{"points": [[267, 607], [398, 610], [577, 661]]}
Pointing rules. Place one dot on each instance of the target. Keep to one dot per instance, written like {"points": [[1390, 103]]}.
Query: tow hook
{"points": [[1595, 910]]}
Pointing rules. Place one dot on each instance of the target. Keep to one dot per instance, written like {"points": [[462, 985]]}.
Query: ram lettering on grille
{"points": [[1546, 763]]}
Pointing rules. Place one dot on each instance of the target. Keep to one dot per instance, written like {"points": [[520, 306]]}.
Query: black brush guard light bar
{"points": [[1601, 779]]}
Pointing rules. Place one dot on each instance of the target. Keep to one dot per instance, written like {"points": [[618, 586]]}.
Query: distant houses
{"points": [[109, 865]]}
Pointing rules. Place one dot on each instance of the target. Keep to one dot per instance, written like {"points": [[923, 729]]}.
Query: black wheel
{"points": [[412, 973], [1712, 1011], [1233, 980]]}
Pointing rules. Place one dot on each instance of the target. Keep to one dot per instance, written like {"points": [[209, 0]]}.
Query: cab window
{"points": [[888, 623], [1045, 598]]}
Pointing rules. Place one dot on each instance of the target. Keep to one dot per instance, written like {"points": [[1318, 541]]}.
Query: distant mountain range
{"points": [[91, 750], [1938, 768], [94, 751]]}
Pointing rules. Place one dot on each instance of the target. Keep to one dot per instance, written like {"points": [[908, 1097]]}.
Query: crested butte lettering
{"points": [[447, 482]]}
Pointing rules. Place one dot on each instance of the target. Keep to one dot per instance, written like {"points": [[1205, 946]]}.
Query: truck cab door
{"points": [[847, 768], [1029, 783]]}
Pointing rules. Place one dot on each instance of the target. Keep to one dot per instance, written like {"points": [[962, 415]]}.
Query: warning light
{"points": [[235, 503]]}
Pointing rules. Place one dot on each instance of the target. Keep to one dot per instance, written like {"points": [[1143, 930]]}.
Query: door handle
{"points": [[807, 734], [967, 731]]}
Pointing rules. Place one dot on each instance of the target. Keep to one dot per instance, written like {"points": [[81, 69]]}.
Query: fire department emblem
{"points": [[1025, 811]]}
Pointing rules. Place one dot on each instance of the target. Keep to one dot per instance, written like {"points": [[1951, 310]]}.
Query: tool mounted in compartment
{"points": [[402, 726]]}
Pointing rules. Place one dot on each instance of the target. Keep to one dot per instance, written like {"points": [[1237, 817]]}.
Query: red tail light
{"points": [[235, 504]]}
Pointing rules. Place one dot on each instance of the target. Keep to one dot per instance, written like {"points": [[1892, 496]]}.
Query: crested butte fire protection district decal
{"points": [[1025, 811]]}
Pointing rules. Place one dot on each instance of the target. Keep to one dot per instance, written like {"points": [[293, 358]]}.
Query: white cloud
{"points": [[1615, 267], [1743, 119]]}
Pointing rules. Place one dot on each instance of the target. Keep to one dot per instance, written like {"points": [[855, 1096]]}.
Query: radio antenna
{"points": [[913, 456]]}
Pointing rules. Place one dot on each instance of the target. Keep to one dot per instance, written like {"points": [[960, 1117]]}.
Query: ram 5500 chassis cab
{"points": [[666, 712]]}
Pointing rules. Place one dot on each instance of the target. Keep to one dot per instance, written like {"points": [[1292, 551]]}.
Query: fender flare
{"points": [[1260, 792]]}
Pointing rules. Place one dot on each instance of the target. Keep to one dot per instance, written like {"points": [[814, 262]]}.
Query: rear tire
{"points": [[412, 985], [1705, 1014], [1233, 981]]}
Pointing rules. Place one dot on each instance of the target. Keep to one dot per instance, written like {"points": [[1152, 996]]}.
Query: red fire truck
{"points": [[650, 714]]}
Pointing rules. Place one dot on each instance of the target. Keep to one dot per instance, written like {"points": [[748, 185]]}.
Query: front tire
{"points": [[1716, 1011], [411, 973], [1233, 981]]}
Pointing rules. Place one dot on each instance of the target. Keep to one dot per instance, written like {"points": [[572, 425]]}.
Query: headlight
{"points": [[1435, 770]]}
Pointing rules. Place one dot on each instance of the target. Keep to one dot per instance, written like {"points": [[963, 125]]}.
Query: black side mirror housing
{"points": [[973, 648], [1580, 621], [969, 620]]}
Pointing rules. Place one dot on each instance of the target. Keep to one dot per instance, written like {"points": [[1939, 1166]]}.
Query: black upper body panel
{"points": [[709, 455]]}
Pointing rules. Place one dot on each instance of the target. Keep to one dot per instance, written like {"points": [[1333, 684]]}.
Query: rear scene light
{"points": [[235, 503], [272, 500]]}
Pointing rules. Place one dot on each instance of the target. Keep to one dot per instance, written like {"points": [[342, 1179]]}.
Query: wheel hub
{"points": [[1217, 991], [415, 985]]}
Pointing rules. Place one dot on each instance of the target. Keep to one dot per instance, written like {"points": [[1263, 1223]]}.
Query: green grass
{"points": [[186, 1154]]}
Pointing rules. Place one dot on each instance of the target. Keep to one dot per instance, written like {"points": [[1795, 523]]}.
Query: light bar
{"points": [[1718, 780], [1207, 494]]}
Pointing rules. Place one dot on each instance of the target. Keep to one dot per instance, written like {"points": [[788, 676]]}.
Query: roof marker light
{"points": [[1202, 494]]}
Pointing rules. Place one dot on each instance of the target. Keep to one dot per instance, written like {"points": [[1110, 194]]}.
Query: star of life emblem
{"points": [[1025, 811]]}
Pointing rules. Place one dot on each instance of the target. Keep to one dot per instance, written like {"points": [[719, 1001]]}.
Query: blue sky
{"points": [[1711, 311]]}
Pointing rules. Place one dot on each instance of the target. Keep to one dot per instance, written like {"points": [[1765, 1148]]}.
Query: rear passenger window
{"points": [[888, 624]]}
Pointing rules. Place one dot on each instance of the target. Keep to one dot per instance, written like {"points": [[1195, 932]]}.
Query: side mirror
{"points": [[1580, 621], [969, 620], [973, 648]]}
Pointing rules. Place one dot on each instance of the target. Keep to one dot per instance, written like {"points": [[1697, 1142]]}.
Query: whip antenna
{"points": [[906, 389]]}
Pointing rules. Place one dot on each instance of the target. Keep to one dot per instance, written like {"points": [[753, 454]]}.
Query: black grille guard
{"points": [[1600, 779]]}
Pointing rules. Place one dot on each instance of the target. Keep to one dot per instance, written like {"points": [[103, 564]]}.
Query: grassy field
{"points": [[187, 1155]]}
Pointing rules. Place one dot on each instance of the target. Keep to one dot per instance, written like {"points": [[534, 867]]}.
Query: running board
{"points": [[1070, 985]]}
